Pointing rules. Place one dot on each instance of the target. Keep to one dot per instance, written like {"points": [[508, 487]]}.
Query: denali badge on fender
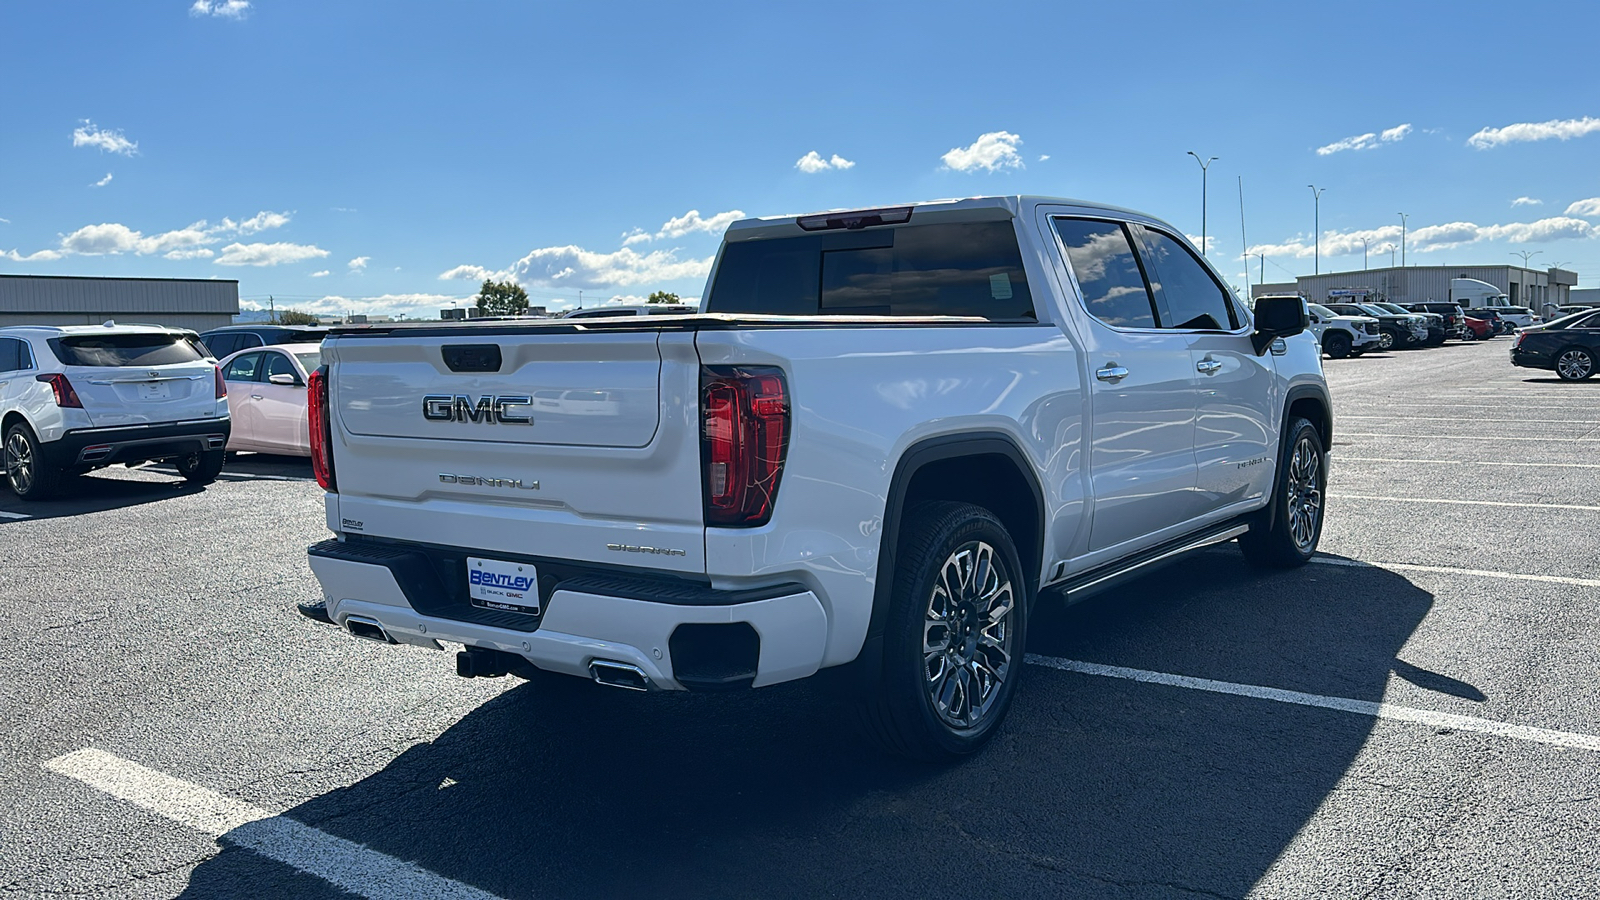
{"points": [[461, 408]]}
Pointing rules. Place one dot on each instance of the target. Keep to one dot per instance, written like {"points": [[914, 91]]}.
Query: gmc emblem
{"points": [[461, 408]]}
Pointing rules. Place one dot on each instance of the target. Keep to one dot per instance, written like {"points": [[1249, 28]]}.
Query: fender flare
{"points": [[1298, 392], [868, 662]]}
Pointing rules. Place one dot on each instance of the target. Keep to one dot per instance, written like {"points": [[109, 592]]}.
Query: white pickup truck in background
{"points": [[885, 433]]}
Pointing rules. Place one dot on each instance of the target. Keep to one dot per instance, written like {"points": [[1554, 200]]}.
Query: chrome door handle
{"points": [[1208, 366], [255, 396], [1111, 372]]}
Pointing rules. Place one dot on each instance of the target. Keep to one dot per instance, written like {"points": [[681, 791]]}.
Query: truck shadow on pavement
{"points": [[1095, 787]]}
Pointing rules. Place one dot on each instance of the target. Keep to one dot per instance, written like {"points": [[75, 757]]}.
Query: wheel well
{"points": [[11, 419], [1314, 411], [989, 480]]}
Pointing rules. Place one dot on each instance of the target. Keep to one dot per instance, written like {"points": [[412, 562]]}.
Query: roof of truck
{"points": [[1000, 206]]}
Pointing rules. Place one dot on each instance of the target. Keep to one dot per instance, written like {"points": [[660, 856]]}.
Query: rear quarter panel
{"points": [[857, 407]]}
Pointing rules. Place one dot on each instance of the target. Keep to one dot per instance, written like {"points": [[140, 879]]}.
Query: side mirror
{"points": [[284, 379], [1277, 317]]}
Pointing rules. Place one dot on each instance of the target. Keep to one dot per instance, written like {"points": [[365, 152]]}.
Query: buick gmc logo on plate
{"points": [[488, 410]]}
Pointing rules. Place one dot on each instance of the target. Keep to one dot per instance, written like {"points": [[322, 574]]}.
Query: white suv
{"points": [[77, 398], [1343, 336]]}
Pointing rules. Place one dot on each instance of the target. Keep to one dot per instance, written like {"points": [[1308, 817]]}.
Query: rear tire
{"points": [[27, 470], [202, 467], [1336, 344], [955, 636], [1574, 364], [1297, 503]]}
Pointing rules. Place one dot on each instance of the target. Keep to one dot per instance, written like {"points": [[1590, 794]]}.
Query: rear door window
{"points": [[1187, 294], [244, 368], [123, 350], [970, 269], [1108, 272], [10, 354]]}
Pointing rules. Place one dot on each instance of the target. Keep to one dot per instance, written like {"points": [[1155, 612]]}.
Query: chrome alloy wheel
{"points": [[1305, 494], [19, 462], [1574, 365], [1385, 340], [967, 634]]}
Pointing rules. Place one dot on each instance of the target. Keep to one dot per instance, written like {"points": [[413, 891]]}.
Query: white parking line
{"points": [[1465, 502], [1450, 570], [12, 515], [345, 864], [1465, 437], [1521, 464], [1477, 420], [1359, 707]]}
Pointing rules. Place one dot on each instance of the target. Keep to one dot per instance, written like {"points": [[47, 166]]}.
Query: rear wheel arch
{"points": [[987, 469]]}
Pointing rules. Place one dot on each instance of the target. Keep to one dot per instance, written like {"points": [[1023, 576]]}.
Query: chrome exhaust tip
{"points": [[367, 628], [619, 675]]}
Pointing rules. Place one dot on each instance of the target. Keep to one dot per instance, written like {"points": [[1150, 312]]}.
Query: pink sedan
{"points": [[267, 397]]}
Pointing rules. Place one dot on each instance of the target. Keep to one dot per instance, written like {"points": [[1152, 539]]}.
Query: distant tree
{"points": [[663, 297], [296, 317], [501, 298]]}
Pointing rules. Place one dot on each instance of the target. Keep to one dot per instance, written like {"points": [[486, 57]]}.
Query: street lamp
{"points": [[1363, 254], [1203, 167], [1390, 248], [1526, 255], [1316, 235], [1403, 218]]}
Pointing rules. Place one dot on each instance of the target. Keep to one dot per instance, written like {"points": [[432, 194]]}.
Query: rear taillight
{"points": [[1520, 336], [66, 397], [321, 429], [744, 411], [222, 386]]}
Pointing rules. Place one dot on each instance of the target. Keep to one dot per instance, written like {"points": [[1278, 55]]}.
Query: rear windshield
{"points": [[954, 269], [124, 350]]}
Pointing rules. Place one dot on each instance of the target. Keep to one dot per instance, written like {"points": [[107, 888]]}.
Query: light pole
{"points": [[1316, 235], [1391, 254], [1403, 218], [1526, 255], [1203, 167], [1363, 254]]}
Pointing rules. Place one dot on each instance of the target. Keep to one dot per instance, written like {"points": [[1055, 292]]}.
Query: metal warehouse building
{"points": [[196, 303], [1532, 288]]}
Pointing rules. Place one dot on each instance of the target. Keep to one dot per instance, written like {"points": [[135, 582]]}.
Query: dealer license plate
{"points": [[500, 585]]}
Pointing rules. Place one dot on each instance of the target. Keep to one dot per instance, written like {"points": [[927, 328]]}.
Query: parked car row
{"points": [[1569, 346], [1351, 329]]}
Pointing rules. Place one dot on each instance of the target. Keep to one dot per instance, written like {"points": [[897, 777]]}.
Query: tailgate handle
{"points": [[472, 357]]}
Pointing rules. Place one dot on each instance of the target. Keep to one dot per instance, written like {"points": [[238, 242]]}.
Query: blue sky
{"points": [[385, 157]]}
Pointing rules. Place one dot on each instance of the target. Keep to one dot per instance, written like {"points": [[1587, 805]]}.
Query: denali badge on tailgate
{"points": [[461, 408]]}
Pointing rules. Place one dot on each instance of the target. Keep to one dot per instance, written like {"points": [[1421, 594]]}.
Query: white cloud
{"points": [[1211, 242], [109, 141], [1367, 141], [1389, 135], [225, 9], [419, 306], [7, 221], [688, 223], [1043, 157], [268, 254], [840, 162], [575, 267], [813, 162], [1560, 129], [102, 182], [470, 273], [990, 152], [322, 274], [1430, 238], [261, 221], [1527, 201], [691, 222], [196, 253], [1588, 208], [359, 263], [38, 256]]}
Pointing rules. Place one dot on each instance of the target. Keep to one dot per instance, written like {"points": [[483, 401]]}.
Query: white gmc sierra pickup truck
{"points": [[882, 436]]}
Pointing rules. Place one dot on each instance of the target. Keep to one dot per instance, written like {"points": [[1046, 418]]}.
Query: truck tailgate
{"points": [[581, 447]]}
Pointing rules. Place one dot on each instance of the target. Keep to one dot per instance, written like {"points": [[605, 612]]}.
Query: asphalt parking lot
{"points": [[1415, 714]]}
